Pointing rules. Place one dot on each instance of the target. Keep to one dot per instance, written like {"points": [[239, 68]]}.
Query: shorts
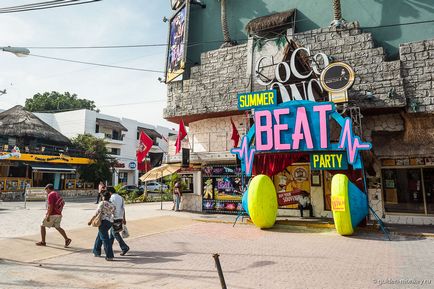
{"points": [[54, 221]]}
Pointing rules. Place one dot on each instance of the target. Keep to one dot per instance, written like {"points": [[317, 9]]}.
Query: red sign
{"points": [[289, 198]]}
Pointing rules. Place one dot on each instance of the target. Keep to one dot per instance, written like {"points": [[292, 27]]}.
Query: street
{"points": [[170, 250]]}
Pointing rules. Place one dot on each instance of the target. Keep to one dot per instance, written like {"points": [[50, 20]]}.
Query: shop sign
{"points": [[288, 198], [132, 165], [338, 203], [328, 161], [336, 79], [296, 79], [299, 126], [249, 100]]}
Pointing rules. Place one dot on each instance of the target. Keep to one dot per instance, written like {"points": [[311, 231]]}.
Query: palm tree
{"points": [[338, 21], [224, 22]]}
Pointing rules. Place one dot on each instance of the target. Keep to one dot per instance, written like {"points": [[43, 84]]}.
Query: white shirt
{"points": [[118, 201]]}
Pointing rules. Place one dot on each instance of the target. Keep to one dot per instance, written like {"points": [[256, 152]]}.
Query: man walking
{"points": [[53, 217], [119, 220]]}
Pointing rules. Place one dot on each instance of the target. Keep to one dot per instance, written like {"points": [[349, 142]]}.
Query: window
{"points": [[115, 135], [97, 128], [408, 190], [114, 151]]}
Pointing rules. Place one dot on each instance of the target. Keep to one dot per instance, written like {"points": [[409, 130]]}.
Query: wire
{"points": [[96, 64], [45, 5]]}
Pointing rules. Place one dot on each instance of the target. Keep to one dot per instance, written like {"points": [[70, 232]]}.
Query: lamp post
{"points": [[18, 51]]}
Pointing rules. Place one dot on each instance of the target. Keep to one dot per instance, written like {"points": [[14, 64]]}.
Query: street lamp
{"points": [[18, 51]]}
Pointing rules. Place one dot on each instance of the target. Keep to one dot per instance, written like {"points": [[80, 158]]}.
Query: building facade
{"points": [[391, 101], [121, 135]]}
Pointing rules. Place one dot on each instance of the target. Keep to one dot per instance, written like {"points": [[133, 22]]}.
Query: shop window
{"points": [[428, 176], [123, 178], [403, 191]]}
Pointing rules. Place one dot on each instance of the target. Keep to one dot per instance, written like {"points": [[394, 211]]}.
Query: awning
{"points": [[152, 133], [52, 168], [110, 124], [160, 172]]}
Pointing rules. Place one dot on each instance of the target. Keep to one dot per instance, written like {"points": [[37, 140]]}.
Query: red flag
{"points": [[182, 133], [145, 144], [235, 135]]}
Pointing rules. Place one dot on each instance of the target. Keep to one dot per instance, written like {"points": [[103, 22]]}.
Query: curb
{"points": [[368, 229]]}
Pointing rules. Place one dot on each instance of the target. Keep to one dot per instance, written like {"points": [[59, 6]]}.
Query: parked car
{"points": [[132, 188], [154, 186]]}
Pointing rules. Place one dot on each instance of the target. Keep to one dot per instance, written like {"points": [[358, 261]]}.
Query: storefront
{"points": [[408, 185]]}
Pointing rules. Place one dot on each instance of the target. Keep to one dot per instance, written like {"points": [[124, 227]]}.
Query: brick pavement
{"points": [[286, 257]]}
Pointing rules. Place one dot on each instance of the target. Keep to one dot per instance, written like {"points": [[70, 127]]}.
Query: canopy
{"points": [[159, 172]]}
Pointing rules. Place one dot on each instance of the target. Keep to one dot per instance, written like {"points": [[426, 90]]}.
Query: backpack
{"points": [[60, 203]]}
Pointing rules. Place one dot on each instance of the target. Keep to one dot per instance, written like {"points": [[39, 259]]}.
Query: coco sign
{"points": [[306, 82]]}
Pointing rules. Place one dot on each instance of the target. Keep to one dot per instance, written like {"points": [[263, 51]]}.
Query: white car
{"points": [[155, 186]]}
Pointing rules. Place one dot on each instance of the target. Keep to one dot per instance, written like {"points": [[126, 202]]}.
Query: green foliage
{"points": [[52, 101], [101, 168]]}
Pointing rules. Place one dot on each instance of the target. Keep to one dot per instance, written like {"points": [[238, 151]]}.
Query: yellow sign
{"points": [[338, 203], [328, 161], [251, 100], [60, 159]]}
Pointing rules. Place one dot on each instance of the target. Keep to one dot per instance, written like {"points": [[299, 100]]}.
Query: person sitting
{"points": [[304, 204]]}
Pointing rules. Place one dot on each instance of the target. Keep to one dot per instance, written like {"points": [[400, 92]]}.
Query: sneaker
{"points": [[108, 259], [124, 252]]}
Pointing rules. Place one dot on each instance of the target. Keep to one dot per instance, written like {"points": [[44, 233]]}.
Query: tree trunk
{"points": [[337, 9], [224, 22]]}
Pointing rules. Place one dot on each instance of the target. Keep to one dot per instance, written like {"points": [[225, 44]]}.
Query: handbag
{"points": [[96, 220], [125, 233]]}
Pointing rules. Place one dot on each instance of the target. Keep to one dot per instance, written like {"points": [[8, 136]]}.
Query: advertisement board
{"points": [[177, 43]]}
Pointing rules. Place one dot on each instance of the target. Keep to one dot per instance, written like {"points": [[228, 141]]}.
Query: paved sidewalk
{"points": [[250, 258]]}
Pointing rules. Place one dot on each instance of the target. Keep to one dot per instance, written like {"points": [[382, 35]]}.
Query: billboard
{"points": [[177, 50]]}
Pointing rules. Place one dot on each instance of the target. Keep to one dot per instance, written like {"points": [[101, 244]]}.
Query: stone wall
{"points": [[214, 84], [66, 194], [392, 122], [418, 72]]}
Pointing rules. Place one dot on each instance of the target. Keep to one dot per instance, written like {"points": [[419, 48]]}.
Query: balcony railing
{"points": [[44, 150]]}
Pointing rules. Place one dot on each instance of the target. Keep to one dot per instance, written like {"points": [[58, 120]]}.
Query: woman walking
{"points": [[106, 210]]}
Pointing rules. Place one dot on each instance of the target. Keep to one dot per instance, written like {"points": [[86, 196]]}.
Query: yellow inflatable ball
{"points": [[262, 201]]}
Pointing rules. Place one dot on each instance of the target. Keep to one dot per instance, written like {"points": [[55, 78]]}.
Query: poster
{"points": [[176, 52], [222, 188], [291, 185]]}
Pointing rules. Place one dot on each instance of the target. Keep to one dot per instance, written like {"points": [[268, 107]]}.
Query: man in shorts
{"points": [[53, 217]]}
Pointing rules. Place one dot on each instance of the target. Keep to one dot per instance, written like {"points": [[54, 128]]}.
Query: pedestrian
{"points": [[304, 204], [119, 220], [101, 188], [177, 194], [53, 216], [106, 210]]}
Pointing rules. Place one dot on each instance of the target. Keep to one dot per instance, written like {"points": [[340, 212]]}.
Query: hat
{"points": [[49, 186]]}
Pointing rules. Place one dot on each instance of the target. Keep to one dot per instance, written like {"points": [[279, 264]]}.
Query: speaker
{"points": [[185, 157]]}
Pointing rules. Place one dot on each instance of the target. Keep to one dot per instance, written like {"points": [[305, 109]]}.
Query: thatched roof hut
{"points": [[19, 123], [277, 22]]}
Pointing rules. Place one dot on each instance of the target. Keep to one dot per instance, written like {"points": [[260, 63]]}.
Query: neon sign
{"points": [[298, 126]]}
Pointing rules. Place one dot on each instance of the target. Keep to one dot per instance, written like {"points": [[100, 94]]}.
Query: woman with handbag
{"points": [[103, 219]]}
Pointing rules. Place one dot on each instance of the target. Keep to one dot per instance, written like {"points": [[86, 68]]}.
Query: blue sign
{"points": [[132, 165], [328, 161], [249, 100]]}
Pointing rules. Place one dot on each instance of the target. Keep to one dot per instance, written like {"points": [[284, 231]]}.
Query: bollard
{"points": [[219, 270]]}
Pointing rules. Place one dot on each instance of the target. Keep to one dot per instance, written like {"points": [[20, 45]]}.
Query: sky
{"points": [[122, 93]]}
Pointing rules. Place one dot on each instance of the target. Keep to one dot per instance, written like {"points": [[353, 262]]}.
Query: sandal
{"points": [[67, 242], [41, 244]]}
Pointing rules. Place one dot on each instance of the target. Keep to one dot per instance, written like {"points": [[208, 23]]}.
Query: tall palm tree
{"points": [[337, 9], [224, 22], [338, 21]]}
